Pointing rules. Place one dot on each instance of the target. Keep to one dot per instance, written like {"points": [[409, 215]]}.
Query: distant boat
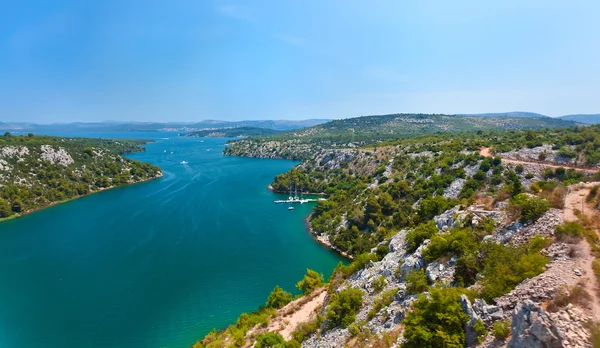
{"points": [[290, 208], [183, 162]]}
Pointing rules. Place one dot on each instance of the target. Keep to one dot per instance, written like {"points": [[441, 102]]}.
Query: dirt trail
{"points": [[294, 313], [486, 153], [575, 200]]}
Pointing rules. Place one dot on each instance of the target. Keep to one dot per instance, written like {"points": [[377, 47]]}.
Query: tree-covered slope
{"points": [[239, 132], [37, 171], [361, 131]]}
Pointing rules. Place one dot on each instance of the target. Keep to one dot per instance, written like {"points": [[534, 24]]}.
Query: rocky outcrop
{"points": [[60, 156], [543, 153], [454, 189], [570, 322], [442, 272], [518, 234], [470, 332], [558, 274], [533, 327]]}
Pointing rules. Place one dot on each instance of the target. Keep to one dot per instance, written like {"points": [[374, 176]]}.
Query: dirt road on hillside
{"points": [[575, 201], [486, 153]]}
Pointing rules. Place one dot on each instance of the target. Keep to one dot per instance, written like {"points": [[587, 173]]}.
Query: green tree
{"points": [[416, 282], [528, 209], [5, 209], [269, 340], [343, 306], [311, 281], [17, 206], [278, 298], [436, 321]]}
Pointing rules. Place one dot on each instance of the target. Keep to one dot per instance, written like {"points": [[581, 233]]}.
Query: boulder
{"points": [[470, 333], [534, 328]]}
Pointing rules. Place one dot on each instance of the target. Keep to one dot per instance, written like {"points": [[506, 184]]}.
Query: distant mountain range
{"points": [[507, 114], [278, 125], [583, 118], [580, 118], [116, 126]]}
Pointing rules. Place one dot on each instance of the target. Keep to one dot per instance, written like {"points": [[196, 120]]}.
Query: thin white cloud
{"points": [[236, 12], [290, 40]]}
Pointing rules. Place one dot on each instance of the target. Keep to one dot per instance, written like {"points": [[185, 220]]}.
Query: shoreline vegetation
{"points": [[426, 213], [38, 172], [31, 211]]}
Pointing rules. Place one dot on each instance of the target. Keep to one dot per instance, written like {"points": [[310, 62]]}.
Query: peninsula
{"points": [[40, 171]]}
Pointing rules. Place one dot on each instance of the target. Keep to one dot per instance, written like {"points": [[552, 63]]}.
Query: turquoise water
{"points": [[157, 264]]}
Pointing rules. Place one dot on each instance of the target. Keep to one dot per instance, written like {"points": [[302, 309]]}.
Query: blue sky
{"points": [[192, 60]]}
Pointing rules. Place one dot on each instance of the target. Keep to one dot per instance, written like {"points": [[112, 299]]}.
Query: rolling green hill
{"points": [[361, 131], [232, 132]]}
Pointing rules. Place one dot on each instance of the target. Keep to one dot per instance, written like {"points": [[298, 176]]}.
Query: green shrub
{"points": [[436, 321], [415, 237], [416, 282], [5, 209], [278, 298], [458, 241], [593, 193], [466, 269], [311, 281], [528, 209], [341, 310], [359, 262], [501, 329], [382, 301], [305, 330], [572, 230], [507, 266], [378, 283], [269, 340], [480, 330]]}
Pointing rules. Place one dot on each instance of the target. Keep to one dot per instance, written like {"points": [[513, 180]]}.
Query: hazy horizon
{"points": [[67, 61], [291, 120]]}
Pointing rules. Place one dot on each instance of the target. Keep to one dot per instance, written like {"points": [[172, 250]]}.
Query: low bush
{"points": [[458, 241], [436, 321], [306, 329], [501, 329], [416, 282], [528, 209], [378, 283], [311, 281], [415, 237], [504, 267], [341, 310], [278, 298], [359, 262], [575, 295], [383, 301], [570, 231]]}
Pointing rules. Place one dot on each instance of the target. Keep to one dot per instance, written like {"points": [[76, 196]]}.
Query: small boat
{"points": [[290, 208], [183, 162]]}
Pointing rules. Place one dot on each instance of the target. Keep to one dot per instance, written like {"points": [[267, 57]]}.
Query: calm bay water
{"points": [[157, 264]]}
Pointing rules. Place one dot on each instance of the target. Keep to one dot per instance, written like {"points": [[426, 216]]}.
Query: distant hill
{"points": [[582, 118], [240, 132], [115, 126], [507, 114], [365, 130]]}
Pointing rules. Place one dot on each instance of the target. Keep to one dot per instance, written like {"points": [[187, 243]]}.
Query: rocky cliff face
{"points": [[531, 325]]}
